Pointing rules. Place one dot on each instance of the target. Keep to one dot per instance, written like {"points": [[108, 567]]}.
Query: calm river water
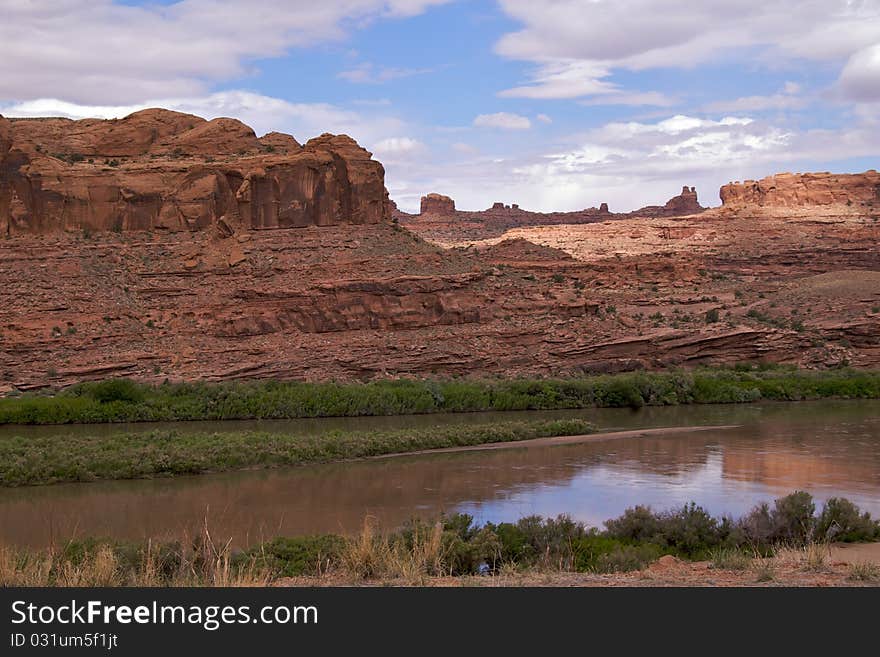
{"points": [[828, 448]]}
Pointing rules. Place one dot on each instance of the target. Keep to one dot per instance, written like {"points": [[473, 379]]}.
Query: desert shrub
{"points": [[792, 518], [113, 390], [603, 554], [537, 541], [840, 520], [303, 555], [636, 524], [757, 526], [688, 531], [627, 558], [619, 393]]}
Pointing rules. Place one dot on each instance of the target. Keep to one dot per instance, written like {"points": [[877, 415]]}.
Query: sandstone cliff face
{"points": [[437, 204], [158, 169], [807, 189]]}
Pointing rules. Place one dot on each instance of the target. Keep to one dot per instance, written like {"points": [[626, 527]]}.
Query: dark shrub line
{"points": [[122, 400]]}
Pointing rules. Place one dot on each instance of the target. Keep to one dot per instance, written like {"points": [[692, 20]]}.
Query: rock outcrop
{"points": [[685, 203], [805, 189], [441, 222], [437, 204], [158, 169]]}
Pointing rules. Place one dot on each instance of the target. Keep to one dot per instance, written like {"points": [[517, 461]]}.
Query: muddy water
{"points": [[828, 448]]}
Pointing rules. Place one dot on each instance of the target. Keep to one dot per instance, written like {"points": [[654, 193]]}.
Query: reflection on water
{"points": [[828, 448]]}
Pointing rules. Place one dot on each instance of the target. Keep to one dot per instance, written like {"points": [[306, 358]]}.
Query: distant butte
{"points": [[439, 219]]}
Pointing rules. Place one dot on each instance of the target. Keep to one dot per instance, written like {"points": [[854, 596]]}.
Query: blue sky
{"points": [[555, 105]]}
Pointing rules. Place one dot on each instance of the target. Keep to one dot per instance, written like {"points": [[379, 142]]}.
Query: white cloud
{"points": [[367, 73], [543, 118], [786, 99], [97, 51], [791, 88], [860, 78], [464, 149], [563, 79], [637, 163], [503, 120], [398, 147], [637, 98], [372, 102], [262, 113], [577, 44]]}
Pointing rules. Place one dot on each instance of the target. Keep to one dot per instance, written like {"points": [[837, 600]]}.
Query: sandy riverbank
{"points": [[564, 440]]}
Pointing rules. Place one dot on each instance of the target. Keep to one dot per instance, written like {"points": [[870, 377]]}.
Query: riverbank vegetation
{"points": [[123, 400], [455, 546], [54, 459]]}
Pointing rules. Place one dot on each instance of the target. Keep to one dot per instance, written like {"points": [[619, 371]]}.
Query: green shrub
{"points": [[840, 520], [689, 530], [112, 390], [619, 393], [792, 518], [627, 558], [290, 399], [303, 555]]}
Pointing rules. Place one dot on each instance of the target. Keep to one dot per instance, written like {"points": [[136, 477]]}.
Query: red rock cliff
{"points": [[158, 169], [790, 190]]}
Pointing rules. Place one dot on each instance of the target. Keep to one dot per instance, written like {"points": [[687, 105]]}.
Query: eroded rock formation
{"points": [[437, 204], [805, 189], [441, 222], [350, 296], [157, 169]]}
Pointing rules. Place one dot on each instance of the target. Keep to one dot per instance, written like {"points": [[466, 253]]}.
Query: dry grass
{"points": [[730, 559], [202, 563], [812, 557], [371, 555], [864, 572], [765, 570]]}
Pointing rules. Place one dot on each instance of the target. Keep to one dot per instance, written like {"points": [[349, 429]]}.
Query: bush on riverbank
{"points": [[122, 400], [53, 459], [452, 546]]}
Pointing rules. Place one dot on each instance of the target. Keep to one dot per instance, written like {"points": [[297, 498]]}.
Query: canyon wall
{"points": [[805, 189], [158, 169]]}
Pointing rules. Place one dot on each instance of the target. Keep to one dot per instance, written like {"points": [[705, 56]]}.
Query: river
{"points": [[829, 448]]}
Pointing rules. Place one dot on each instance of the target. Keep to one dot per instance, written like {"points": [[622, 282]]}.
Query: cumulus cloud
{"points": [[98, 51], [398, 146], [576, 45], [543, 118], [503, 120]]}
